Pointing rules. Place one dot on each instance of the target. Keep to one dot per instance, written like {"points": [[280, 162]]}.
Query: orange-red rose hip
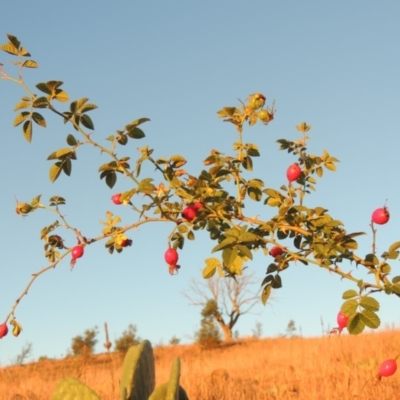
{"points": [[293, 172], [77, 252], [388, 368], [171, 256], [276, 251], [380, 216], [189, 213], [116, 199], [3, 330]]}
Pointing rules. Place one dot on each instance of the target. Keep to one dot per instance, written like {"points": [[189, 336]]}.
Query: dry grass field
{"points": [[327, 368]]}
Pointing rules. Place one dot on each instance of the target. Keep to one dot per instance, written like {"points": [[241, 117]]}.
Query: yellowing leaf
{"points": [[21, 118], [61, 96], [9, 48], [266, 293], [177, 161], [30, 64], [330, 166], [59, 153], [54, 172], [211, 265], [38, 118], [22, 104], [27, 130], [303, 127]]}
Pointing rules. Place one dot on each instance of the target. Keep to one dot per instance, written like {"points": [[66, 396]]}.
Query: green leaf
{"points": [[350, 244], [277, 282], [273, 202], [394, 247], [228, 242], [145, 186], [248, 237], [56, 200], [247, 163], [71, 140], [41, 102], [385, 268], [272, 268], [58, 154], [111, 179], [211, 266], [356, 324], [27, 130], [267, 279], [266, 294], [392, 255], [396, 279], [67, 166], [254, 193], [349, 294], [87, 121], [87, 107], [229, 256], [183, 228], [256, 183], [396, 288], [297, 241], [38, 118], [370, 319], [43, 88], [136, 123], [372, 258], [55, 171], [236, 267], [136, 133], [369, 303], [349, 307], [246, 251]]}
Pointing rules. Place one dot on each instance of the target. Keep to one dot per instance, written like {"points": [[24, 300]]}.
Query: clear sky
{"points": [[334, 65]]}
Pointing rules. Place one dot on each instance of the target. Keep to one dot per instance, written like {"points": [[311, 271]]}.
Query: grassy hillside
{"points": [[308, 369]]}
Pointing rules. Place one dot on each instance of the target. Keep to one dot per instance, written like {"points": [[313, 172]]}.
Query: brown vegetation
{"points": [[279, 369]]}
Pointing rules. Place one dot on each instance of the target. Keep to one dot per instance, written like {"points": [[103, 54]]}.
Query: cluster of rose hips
{"points": [[190, 212]]}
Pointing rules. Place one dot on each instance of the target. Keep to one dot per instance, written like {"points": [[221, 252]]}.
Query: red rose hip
{"points": [[198, 205], [3, 330], [387, 368], [380, 216], [189, 213], [77, 252], [276, 251], [171, 256], [293, 172], [342, 321], [116, 199]]}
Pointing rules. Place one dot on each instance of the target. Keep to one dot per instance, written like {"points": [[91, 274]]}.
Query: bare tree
{"points": [[234, 298]]}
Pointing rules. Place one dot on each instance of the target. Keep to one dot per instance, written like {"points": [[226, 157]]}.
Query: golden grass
{"points": [[279, 369]]}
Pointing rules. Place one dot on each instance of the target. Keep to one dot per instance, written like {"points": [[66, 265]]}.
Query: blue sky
{"points": [[333, 65]]}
